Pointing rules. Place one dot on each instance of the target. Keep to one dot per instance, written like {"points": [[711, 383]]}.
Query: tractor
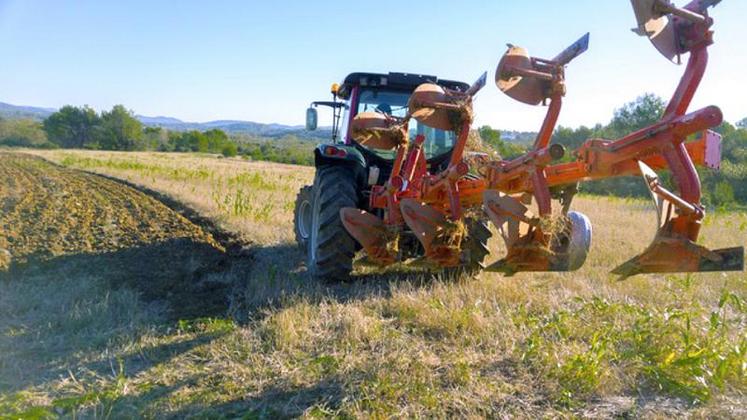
{"points": [[349, 171]]}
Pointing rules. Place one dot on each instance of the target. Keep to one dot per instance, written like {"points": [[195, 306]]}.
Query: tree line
{"points": [[720, 188], [83, 128], [118, 129]]}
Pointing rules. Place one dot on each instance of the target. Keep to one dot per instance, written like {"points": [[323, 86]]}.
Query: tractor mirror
{"points": [[311, 119]]}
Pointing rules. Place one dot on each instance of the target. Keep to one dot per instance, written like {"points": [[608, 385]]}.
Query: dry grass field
{"points": [[393, 344]]}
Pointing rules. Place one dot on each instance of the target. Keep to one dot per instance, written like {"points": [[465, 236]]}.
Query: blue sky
{"points": [[266, 60]]}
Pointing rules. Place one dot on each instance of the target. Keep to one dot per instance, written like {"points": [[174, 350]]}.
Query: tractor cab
{"points": [[386, 94], [352, 172]]}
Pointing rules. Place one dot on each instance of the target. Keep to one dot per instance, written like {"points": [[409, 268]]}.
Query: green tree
{"points": [[72, 127], [177, 143], [723, 193], [493, 138], [216, 139], [119, 130], [733, 171], [644, 111], [734, 142], [199, 142], [572, 139], [189, 141], [24, 133], [229, 150], [156, 138]]}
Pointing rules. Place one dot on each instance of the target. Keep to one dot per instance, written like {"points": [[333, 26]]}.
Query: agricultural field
{"points": [[168, 285]]}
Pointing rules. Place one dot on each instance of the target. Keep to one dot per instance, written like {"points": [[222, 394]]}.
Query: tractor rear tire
{"points": [[330, 248], [302, 216]]}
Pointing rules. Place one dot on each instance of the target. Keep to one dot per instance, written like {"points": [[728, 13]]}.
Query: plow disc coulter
{"points": [[410, 191]]}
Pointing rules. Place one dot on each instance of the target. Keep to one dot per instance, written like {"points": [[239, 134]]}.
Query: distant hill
{"points": [[15, 111], [157, 121], [236, 127], [230, 126]]}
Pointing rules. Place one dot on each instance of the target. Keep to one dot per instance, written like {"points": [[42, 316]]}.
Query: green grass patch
{"points": [[688, 351]]}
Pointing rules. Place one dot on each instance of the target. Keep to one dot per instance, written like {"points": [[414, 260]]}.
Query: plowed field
{"points": [[63, 221]]}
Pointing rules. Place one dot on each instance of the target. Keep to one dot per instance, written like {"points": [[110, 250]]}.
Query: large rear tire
{"points": [[330, 248]]}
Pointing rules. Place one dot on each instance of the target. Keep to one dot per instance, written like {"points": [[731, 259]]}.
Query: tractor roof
{"points": [[397, 81]]}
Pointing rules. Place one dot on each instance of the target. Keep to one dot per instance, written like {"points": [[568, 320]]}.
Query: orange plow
{"points": [[431, 201]]}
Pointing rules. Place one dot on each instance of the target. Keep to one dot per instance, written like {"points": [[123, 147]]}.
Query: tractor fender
{"points": [[335, 154]]}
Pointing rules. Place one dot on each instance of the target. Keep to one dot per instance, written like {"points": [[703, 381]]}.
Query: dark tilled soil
{"points": [[62, 222]]}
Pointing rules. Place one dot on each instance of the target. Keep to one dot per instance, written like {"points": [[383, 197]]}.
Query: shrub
{"points": [[229, 150]]}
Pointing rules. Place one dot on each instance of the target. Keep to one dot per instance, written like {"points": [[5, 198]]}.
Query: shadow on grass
{"points": [[279, 275], [59, 315], [279, 401], [81, 317], [192, 278]]}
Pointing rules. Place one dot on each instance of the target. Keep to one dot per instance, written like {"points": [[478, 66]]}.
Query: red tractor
{"points": [[354, 172]]}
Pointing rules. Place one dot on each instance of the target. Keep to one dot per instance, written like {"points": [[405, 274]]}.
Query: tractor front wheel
{"points": [[331, 249]]}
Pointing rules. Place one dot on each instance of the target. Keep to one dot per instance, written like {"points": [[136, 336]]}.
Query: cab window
{"points": [[394, 103]]}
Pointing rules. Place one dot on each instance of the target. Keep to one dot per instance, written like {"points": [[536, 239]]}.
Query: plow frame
{"points": [[433, 203]]}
